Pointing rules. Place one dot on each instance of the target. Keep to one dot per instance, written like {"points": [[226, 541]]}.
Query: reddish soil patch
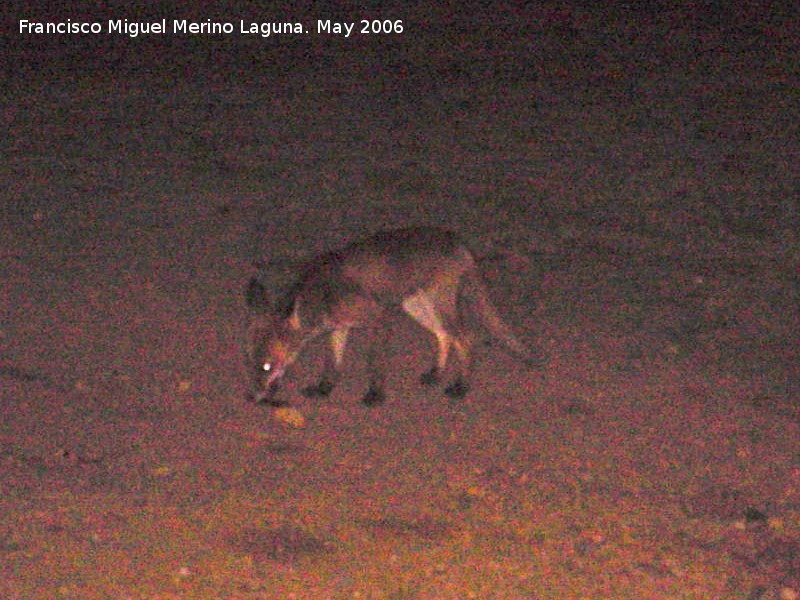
{"points": [[625, 175]]}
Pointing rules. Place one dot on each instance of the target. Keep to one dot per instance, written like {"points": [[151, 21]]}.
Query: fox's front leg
{"points": [[376, 362], [333, 366]]}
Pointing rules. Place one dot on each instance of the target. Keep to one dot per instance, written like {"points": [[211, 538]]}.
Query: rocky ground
{"points": [[631, 180]]}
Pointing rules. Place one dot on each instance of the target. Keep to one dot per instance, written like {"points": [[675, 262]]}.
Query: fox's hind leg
{"points": [[460, 385], [434, 312]]}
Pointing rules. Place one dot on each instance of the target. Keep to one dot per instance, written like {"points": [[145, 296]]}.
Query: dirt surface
{"points": [[631, 179]]}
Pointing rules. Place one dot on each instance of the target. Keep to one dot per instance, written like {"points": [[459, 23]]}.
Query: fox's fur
{"points": [[426, 272]]}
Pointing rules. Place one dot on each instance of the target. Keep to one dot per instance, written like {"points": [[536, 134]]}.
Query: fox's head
{"points": [[275, 348], [275, 341]]}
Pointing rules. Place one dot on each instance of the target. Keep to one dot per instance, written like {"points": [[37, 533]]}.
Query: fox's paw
{"points": [[373, 397], [456, 390], [321, 390], [430, 377]]}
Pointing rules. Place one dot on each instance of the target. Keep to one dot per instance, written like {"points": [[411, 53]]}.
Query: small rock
{"points": [[290, 416]]}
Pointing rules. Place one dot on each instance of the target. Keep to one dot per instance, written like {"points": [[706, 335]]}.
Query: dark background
{"points": [[627, 172]]}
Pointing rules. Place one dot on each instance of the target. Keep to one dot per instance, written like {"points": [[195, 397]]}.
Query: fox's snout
{"points": [[267, 381], [271, 359]]}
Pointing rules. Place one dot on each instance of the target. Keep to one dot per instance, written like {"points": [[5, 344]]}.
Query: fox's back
{"points": [[392, 264]]}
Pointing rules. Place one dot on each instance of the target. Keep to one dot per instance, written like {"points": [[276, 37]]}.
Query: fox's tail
{"points": [[474, 292]]}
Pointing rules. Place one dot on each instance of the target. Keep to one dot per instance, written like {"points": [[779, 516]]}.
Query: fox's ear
{"points": [[256, 296]]}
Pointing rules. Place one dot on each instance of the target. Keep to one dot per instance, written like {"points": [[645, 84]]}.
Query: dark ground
{"points": [[637, 173]]}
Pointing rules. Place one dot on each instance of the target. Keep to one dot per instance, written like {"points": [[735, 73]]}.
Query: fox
{"points": [[427, 273]]}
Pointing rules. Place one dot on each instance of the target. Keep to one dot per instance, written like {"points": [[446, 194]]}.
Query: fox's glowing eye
{"points": [[266, 367]]}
